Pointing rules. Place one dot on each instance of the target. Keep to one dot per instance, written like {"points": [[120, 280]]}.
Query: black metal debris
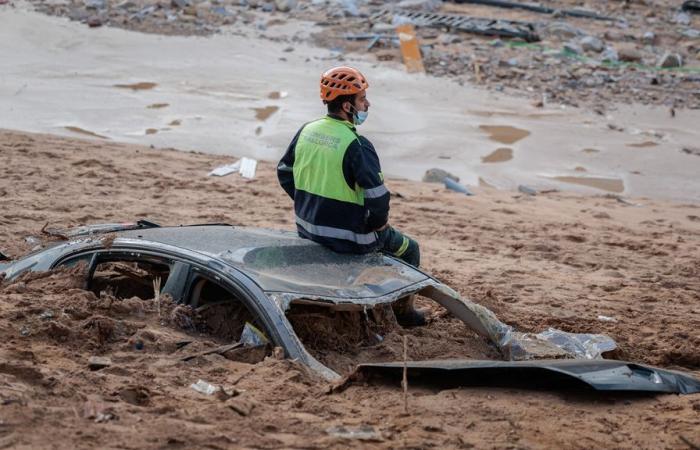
{"points": [[475, 25], [600, 375]]}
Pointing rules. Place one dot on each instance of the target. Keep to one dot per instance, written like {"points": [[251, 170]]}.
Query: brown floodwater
{"points": [[158, 105], [605, 184], [151, 131], [265, 113], [580, 169], [142, 86], [644, 144], [504, 134], [274, 95], [499, 155], [175, 123], [85, 132]]}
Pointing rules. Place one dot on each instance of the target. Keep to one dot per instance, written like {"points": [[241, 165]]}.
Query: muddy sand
{"points": [[556, 259]]}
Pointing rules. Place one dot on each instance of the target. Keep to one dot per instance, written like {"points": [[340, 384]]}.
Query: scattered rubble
{"points": [[576, 60]]}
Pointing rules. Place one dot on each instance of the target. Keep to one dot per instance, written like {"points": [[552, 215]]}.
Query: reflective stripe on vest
{"points": [[337, 233], [318, 161]]}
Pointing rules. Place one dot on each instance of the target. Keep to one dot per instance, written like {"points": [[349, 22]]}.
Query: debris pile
{"points": [[624, 52]]}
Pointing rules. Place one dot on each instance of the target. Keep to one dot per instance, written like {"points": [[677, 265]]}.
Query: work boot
{"points": [[406, 313]]}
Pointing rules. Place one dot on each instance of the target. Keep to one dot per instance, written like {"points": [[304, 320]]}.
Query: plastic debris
{"points": [[248, 167], [253, 337], [362, 433], [515, 345], [607, 319], [579, 345], [226, 170], [454, 186], [205, 388]]}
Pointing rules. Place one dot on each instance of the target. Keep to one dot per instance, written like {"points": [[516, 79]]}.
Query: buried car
{"points": [[272, 280]]}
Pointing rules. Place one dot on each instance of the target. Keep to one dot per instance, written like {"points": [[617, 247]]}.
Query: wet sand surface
{"points": [[605, 184], [559, 259], [63, 72]]}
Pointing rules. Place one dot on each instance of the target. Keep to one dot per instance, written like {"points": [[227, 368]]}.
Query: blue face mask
{"points": [[359, 116]]}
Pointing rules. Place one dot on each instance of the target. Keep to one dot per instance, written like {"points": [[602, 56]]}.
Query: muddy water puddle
{"points": [[605, 184], [141, 86], [504, 134], [499, 155], [85, 132], [264, 113], [645, 144]]}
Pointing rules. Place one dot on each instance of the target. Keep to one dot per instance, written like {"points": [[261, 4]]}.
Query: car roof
{"points": [[281, 261]]}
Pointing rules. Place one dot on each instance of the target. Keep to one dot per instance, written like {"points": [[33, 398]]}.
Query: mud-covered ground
{"points": [[550, 260], [649, 52]]}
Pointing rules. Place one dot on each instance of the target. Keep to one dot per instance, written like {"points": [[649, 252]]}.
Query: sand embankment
{"points": [[551, 260]]}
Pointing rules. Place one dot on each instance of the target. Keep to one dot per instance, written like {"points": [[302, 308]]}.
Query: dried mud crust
{"points": [[343, 339]]}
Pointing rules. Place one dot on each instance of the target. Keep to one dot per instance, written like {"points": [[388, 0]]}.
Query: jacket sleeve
{"points": [[366, 172], [285, 167]]}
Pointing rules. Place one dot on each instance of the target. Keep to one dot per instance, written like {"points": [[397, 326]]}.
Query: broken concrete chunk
{"points": [[573, 47], [610, 55], [437, 176], [98, 362], [592, 44], [629, 54], [285, 5]]}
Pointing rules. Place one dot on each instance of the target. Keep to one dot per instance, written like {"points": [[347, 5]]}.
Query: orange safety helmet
{"points": [[341, 81]]}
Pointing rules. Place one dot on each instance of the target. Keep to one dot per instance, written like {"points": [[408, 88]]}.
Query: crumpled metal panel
{"points": [[601, 375]]}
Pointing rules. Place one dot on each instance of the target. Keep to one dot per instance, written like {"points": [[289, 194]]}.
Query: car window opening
{"points": [[341, 339], [126, 279], [221, 313]]}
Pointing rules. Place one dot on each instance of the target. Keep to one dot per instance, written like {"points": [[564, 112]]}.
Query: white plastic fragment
{"points": [[205, 388], [248, 167], [362, 433], [226, 170], [607, 319]]}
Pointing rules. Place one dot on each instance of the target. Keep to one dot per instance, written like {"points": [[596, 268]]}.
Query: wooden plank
{"points": [[409, 48]]}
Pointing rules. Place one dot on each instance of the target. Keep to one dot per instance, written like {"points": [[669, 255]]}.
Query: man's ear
{"points": [[346, 107]]}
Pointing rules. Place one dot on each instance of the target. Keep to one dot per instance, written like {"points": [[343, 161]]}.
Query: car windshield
{"points": [[283, 262], [317, 271]]}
